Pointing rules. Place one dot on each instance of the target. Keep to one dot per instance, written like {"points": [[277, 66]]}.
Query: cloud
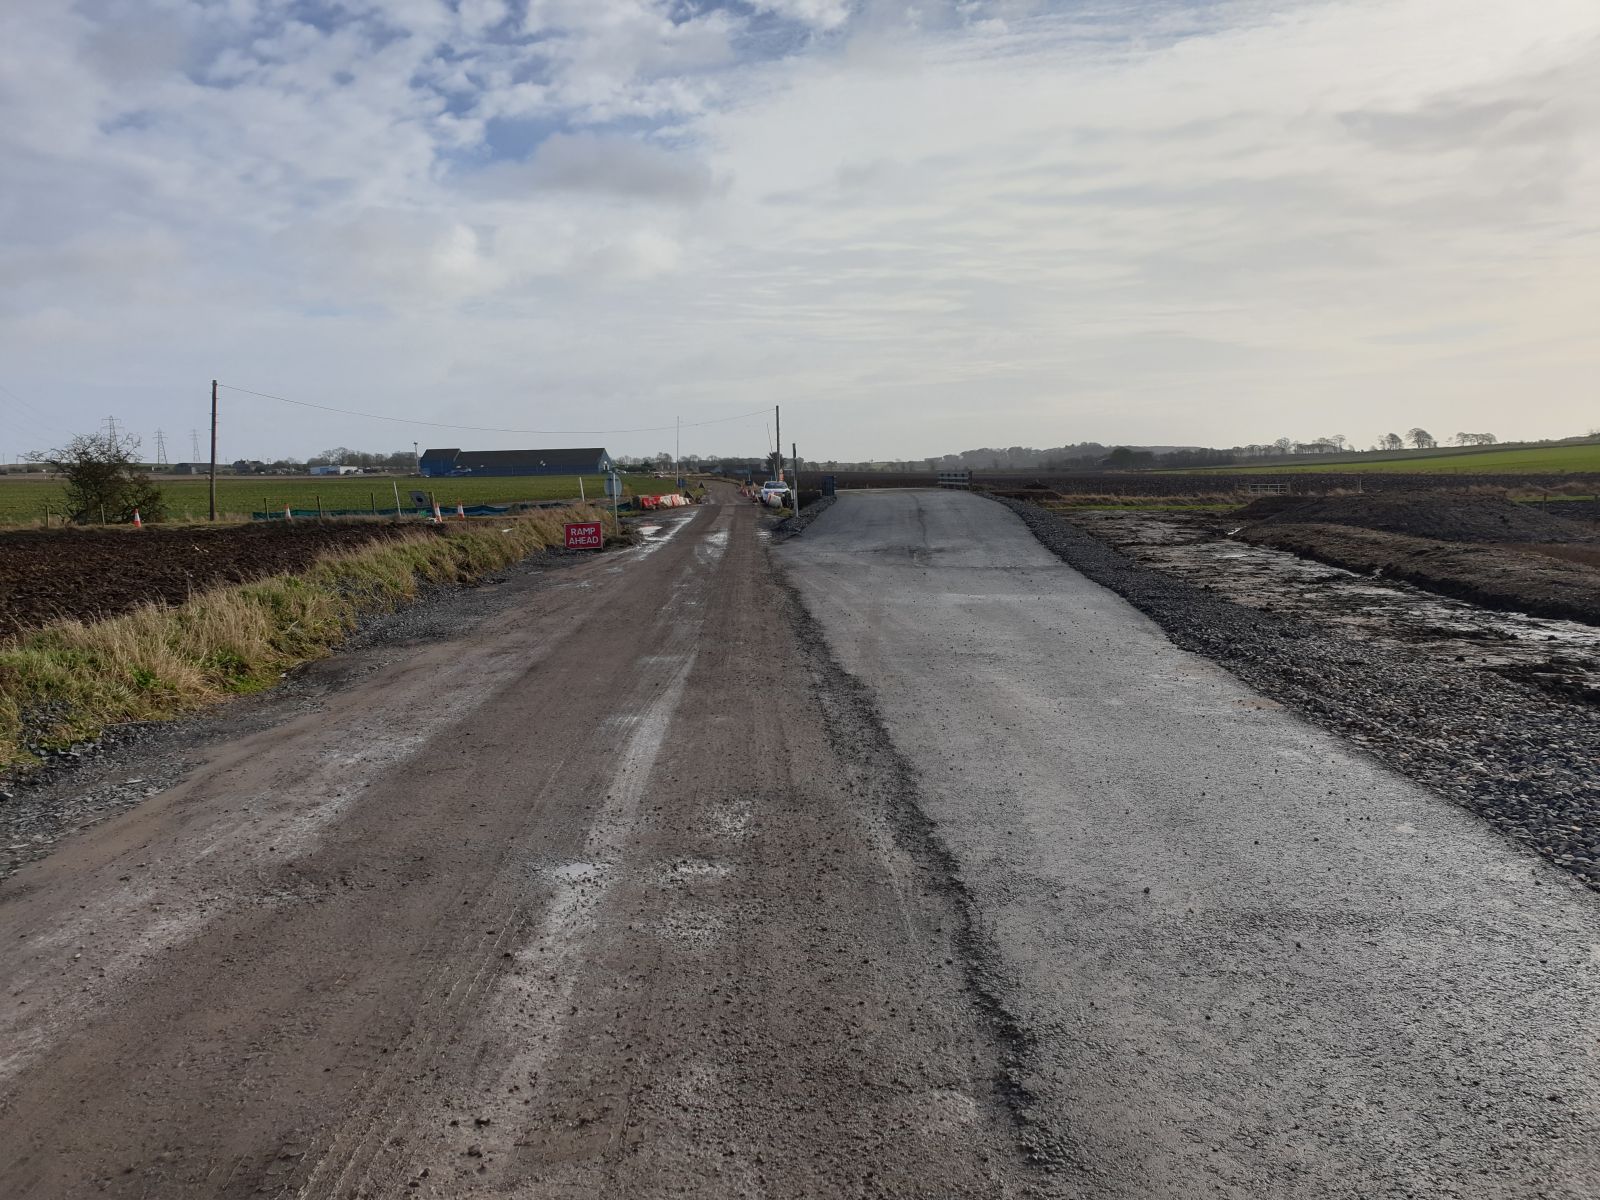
{"points": [[606, 165], [974, 223], [824, 14]]}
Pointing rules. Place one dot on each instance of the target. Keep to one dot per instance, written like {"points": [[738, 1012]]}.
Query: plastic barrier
{"points": [[671, 500]]}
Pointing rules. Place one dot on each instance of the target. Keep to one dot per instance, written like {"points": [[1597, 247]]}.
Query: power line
{"points": [[37, 419], [490, 428]]}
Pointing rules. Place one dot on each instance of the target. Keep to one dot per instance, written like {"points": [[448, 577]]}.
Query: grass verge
{"points": [[69, 681]]}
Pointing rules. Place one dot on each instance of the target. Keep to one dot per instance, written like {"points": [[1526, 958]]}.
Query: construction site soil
{"points": [[1425, 514], [46, 575], [1045, 483], [1541, 581]]}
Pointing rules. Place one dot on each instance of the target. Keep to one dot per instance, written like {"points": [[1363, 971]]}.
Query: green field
{"points": [[1536, 460], [23, 498]]}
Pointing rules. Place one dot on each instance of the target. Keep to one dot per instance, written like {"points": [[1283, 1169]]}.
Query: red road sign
{"points": [[584, 535]]}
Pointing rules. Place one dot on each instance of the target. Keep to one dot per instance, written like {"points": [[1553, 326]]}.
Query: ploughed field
{"points": [[46, 575], [23, 499]]}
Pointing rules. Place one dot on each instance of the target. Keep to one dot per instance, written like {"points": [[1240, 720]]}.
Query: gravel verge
{"points": [[1524, 761], [790, 527]]}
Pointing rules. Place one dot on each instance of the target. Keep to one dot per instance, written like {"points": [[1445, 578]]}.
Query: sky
{"points": [[920, 226]]}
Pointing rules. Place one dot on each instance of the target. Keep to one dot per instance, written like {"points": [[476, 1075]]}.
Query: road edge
{"points": [[858, 734]]}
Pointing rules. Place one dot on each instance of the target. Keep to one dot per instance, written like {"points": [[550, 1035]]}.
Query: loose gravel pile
{"points": [[1440, 515], [1525, 761]]}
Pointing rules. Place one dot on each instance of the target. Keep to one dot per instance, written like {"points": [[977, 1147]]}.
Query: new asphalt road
{"points": [[1243, 958]]}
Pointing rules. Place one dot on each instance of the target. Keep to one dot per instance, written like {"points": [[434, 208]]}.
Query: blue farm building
{"points": [[589, 461]]}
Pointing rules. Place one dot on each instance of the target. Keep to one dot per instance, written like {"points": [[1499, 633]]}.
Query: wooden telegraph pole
{"points": [[213, 449]]}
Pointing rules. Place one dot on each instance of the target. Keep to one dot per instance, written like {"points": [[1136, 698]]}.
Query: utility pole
{"points": [[161, 449], [794, 461], [777, 418], [677, 452], [416, 458], [213, 449]]}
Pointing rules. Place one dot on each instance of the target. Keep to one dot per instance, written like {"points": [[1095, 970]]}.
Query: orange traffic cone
{"points": [[137, 523], [461, 513], [438, 517]]}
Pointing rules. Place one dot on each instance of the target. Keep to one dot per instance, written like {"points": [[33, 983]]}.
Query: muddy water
{"points": [[1560, 656]]}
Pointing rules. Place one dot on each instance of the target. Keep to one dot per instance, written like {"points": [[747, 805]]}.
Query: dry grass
{"points": [[67, 682]]}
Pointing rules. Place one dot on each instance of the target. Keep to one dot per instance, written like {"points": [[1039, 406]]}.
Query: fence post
{"points": [[319, 506]]}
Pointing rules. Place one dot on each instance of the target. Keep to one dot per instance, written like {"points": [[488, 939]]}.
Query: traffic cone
{"points": [[461, 513], [438, 517], [137, 523]]}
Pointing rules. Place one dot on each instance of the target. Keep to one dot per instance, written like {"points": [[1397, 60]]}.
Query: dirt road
{"points": [[604, 897], [1246, 960], [649, 882]]}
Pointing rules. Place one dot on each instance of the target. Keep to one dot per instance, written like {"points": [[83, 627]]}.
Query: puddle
{"points": [[712, 547], [657, 534], [1558, 656]]}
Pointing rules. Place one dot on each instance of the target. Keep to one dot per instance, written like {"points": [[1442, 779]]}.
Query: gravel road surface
{"points": [[1236, 956], [609, 894]]}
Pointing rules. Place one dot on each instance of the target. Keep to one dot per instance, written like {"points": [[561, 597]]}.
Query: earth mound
{"points": [[1442, 516]]}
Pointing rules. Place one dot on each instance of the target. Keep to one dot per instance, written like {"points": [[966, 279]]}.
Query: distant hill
{"points": [[1081, 456]]}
